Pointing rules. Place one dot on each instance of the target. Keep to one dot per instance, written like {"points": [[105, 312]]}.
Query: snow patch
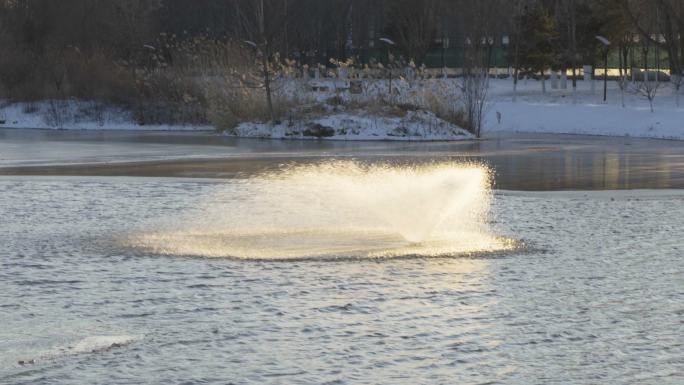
{"points": [[77, 115], [561, 112], [416, 125]]}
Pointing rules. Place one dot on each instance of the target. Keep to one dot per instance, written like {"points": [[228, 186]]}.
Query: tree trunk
{"points": [[573, 48], [574, 82], [623, 72], [516, 60], [677, 95], [264, 61], [267, 86], [515, 85]]}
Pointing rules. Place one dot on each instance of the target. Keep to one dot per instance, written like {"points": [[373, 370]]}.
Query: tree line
{"points": [[112, 49]]}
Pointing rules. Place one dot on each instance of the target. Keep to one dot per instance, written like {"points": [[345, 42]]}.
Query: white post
{"points": [[587, 71], [564, 80], [554, 80]]}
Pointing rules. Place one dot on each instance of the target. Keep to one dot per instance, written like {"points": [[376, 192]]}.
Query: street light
{"points": [[606, 44], [389, 67], [505, 42], [386, 40]]}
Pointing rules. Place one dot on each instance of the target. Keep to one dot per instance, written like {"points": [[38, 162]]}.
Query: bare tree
{"points": [[517, 38], [413, 26], [568, 35], [474, 87], [261, 23], [482, 25], [661, 23], [648, 89]]}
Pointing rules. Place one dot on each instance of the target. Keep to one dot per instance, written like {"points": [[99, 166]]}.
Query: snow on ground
{"points": [[558, 111], [417, 125], [327, 109], [76, 115]]}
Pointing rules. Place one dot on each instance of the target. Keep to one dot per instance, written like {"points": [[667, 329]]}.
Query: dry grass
{"points": [[155, 93], [228, 107], [443, 99], [201, 81], [234, 85]]}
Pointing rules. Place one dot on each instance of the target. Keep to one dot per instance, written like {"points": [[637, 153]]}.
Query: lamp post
{"points": [[606, 44], [505, 42], [251, 43], [489, 42], [389, 67], [443, 46]]}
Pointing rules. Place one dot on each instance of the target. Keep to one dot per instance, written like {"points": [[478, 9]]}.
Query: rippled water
{"points": [[596, 298]]}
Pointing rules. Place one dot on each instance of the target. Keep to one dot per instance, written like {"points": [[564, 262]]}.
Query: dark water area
{"points": [[519, 161]]}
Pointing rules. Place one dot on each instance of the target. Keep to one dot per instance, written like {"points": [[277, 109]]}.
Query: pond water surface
{"points": [[595, 295]]}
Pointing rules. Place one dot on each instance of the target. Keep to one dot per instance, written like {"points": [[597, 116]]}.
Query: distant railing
{"points": [[498, 57]]}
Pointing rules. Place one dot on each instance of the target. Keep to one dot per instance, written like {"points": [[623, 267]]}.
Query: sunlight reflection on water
{"points": [[596, 298], [338, 210]]}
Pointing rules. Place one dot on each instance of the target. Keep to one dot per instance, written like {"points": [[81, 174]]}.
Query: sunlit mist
{"points": [[339, 209]]}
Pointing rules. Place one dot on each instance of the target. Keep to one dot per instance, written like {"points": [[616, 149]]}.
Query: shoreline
{"points": [[556, 111], [489, 134]]}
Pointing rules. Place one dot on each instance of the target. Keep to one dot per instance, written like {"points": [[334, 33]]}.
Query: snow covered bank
{"points": [[417, 125], [558, 111], [78, 115], [329, 123], [588, 119], [336, 113]]}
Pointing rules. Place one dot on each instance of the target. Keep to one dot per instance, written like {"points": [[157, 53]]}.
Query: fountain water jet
{"points": [[339, 209]]}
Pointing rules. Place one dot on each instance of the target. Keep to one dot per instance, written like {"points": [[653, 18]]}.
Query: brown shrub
{"points": [[229, 106], [97, 77], [20, 76]]}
